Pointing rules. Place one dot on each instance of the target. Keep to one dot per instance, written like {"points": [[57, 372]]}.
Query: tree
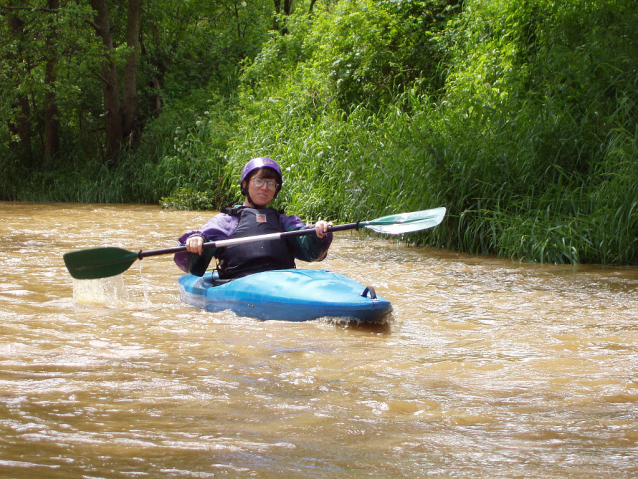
{"points": [[40, 42], [277, 18], [91, 74], [110, 87], [19, 122], [51, 111], [130, 112]]}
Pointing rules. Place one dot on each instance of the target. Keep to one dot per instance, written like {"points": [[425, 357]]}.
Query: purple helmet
{"points": [[257, 163]]}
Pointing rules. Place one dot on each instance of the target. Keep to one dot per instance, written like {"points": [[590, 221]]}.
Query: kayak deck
{"points": [[287, 295]]}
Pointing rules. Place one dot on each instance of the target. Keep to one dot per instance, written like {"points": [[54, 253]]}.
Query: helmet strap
{"points": [[250, 201]]}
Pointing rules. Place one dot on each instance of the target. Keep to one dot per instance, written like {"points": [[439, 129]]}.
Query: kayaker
{"points": [[261, 181]]}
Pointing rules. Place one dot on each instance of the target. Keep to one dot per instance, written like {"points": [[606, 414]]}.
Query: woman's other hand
{"points": [[195, 244], [321, 228]]}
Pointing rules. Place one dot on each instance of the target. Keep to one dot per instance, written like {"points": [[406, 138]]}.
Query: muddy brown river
{"points": [[489, 369]]}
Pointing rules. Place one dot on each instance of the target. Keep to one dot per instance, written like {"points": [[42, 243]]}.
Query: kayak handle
{"points": [[369, 289]]}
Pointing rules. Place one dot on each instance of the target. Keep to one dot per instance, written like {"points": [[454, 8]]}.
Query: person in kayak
{"points": [[261, 182]]}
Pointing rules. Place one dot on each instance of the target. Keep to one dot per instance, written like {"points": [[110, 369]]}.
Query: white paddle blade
{"points": [[406, 222]]}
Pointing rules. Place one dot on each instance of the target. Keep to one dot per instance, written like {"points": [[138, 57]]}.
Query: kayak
{"points": [[287, 295]]}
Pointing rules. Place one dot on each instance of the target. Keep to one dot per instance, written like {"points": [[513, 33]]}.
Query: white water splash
{"points": [[109, 291]]}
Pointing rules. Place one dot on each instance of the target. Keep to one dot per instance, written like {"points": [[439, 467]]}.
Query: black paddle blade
{"points": [[97, 263]]}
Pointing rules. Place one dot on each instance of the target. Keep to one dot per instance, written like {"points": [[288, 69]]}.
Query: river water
{"points": [[489, 368]]}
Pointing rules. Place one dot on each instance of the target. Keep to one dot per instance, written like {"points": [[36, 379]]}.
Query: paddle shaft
{"points": [[248, 239]]}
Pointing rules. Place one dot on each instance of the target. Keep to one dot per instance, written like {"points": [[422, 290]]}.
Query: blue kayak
{"points": [[287, 295]]}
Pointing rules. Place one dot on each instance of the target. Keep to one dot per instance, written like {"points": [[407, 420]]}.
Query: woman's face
{"points": [[262, 195]]}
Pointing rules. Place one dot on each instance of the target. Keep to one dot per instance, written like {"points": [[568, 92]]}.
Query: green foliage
{"points": [[360, 53], [519, 117], [551, 106], [183, 151], [77, 56], [200, 43], [186, 46], [529, 142]]}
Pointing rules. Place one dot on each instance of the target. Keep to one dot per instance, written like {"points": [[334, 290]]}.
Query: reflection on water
{"points": [[490, 369]]}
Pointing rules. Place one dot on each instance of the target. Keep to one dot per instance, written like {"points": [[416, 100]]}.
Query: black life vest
{"points": [[249, 258]]}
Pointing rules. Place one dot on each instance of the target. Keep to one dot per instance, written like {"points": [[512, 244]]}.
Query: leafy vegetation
{"points": [[519, 117]]}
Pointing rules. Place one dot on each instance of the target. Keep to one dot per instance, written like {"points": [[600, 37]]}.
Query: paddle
{"points": [[108, 261]]}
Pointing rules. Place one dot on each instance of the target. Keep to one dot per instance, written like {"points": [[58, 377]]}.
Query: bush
{"points": [[529, 142]]}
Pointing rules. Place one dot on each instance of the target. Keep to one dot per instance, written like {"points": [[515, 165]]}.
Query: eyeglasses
{"points": [[270, 184]]}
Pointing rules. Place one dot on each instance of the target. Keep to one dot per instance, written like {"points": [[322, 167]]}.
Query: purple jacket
{"points": [[222, 226]]}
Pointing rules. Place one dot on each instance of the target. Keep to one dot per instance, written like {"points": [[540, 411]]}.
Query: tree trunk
{"points": [[279, 22], [51, 112], [130, 111], [110, 87], [275, 20], [20, 124], [287, 12]]}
